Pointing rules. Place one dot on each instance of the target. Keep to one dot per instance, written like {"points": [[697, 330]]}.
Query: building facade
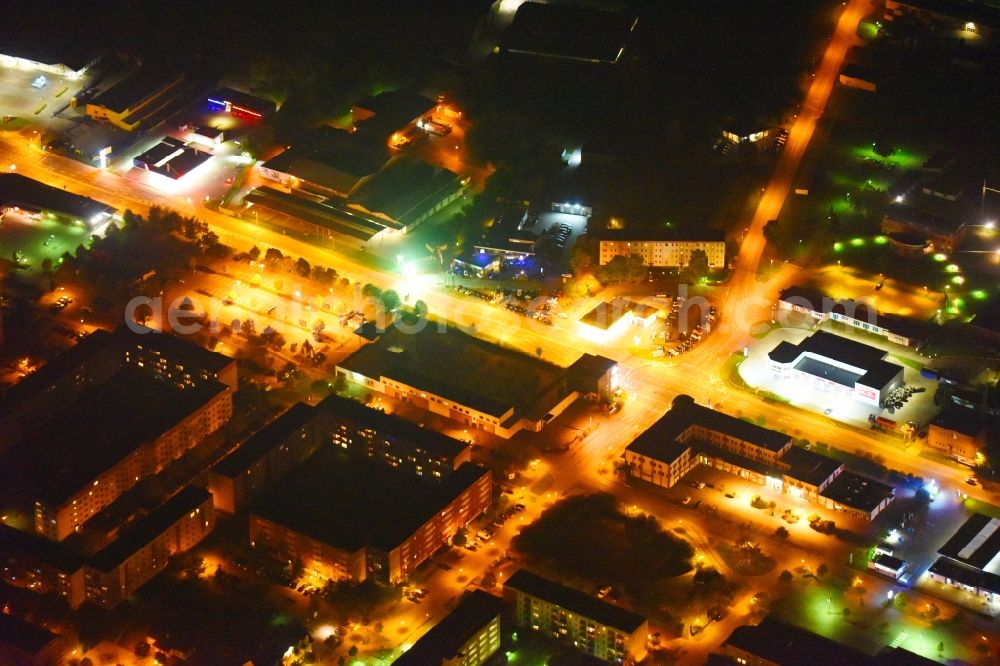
{"points": [[592, 626], [662, 250], [958, 432], [468, 636]]}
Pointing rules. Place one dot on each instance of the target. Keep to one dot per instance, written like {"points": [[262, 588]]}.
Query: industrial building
{"points": [[690, 434], [388, 115], [589, 624], [836, 364], [136, 97], [468, 636], [663, 248], [478, 384], [28, 196], [339, 521], [241, 104], [969, 559]]}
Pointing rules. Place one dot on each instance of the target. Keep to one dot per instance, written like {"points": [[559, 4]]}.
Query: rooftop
{"points": [[922, 220], [889, 562], [405, 189], [131, 91], [575, 601], [808, 466], [961, 420], [342, 502], [966, 575], [23, 636], [569, 32], [149, 528], [73, 53], [172, 158], [976, 543], [265, 439], [781, 643], [244, 101], [39, 549], [858, 492], [643, 235], [585, 371], [876, 371], [401, 431], [686, 413], [393, 109], [444, 640], [970, 10], [24, 192], [57, 457], [606, 314], [331, 157], [458, 367]]}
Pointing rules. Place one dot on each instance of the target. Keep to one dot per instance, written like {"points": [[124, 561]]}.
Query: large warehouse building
{"points": [[838, 365], [22, 194]]}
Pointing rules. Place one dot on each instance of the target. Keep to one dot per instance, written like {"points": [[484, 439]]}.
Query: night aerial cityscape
{"points": [[486, 332]]}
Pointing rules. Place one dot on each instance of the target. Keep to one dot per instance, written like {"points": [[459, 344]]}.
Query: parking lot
{"points": [[38, 238], [18, 98]]}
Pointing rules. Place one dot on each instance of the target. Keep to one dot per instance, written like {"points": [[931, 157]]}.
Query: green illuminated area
{"points": [[38, 239], [901, 158]]}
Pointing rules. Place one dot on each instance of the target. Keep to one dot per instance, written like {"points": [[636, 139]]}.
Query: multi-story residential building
{"points": [[591, 625], [690, 434], [265, 457], [340, 521], [125, 562], [468, 636], [106, 385], [132, 559], [662, 248], [359, 429], [958, 432]]}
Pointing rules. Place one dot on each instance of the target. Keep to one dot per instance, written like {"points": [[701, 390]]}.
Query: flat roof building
{"points": [[569, 32], [468, 636], [25, 194], [591, 625], [662, 248], [264, 458], [458, 376], [171, 158], [136, 97], [690, 434], [857, 314], [774, 642], [857, 495], [958, 432], [833, 363], [106, 384], [338, 519], [329, 161], [62, 57], [945, 233], [407, 191], [26, 644], [610, 319], [390, 112], [241, 104], [347, 424]]}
